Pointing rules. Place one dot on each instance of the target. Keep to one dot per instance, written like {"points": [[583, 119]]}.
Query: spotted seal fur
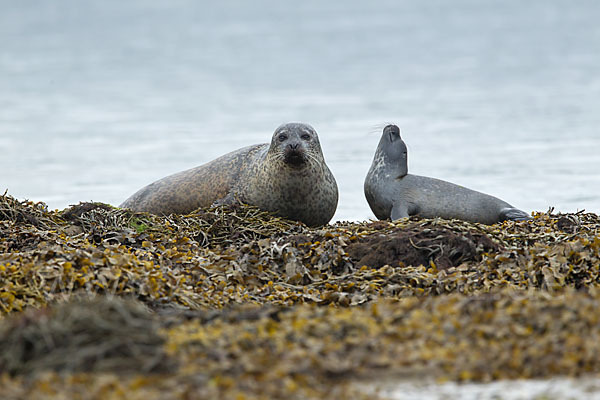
{"points": [[289, 177]]}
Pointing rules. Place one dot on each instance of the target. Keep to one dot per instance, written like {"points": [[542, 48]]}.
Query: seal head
{"points": [[293, 179], [392, 153], [297, 145]]}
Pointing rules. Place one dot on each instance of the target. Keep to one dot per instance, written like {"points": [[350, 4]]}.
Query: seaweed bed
{"points": [[101, 302]]}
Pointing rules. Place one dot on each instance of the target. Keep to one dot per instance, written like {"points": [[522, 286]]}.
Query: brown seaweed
{"points": [[240, 296]]}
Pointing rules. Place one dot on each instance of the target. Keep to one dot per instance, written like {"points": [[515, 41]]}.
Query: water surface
{"points": [[100, 98]]}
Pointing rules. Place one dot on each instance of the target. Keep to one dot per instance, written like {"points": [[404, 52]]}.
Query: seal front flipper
{"points": [[228, 200], [398, 211], [513, 214]]}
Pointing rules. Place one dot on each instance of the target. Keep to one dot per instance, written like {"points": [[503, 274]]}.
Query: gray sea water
{"points": [[101, 97]]}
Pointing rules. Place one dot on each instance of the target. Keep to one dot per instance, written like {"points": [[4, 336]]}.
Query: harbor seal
{"points": [[289, 177], [394, 193]]}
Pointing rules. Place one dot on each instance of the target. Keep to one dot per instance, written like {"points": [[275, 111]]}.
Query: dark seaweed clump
{"points": [[103, 334], [438, 246]]}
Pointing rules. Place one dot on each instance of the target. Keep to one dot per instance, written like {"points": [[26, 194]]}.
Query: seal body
{"points": [[394, 193], [289, 177]]}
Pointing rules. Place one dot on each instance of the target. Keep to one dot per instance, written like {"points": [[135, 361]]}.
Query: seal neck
{"points": [[393, 165]]}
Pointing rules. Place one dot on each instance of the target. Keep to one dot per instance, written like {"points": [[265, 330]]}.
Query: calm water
{"points": [[99, 98]]}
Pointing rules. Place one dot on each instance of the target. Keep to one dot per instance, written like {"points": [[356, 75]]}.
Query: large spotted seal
{"points": [[288, 177], [394, 193]]}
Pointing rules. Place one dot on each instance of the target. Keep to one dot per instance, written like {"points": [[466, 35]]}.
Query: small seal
{"points": [[289, 177], [394, 193]]}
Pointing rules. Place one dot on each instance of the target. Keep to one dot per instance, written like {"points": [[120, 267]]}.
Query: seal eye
{"points": [[306, 136], [282, 137]]}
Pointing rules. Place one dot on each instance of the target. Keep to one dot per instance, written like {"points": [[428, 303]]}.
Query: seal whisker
{"points": [[378, 127], [313, 161]]}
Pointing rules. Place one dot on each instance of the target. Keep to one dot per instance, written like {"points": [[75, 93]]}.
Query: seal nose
{"points": [[393, 132], [293, 146]]}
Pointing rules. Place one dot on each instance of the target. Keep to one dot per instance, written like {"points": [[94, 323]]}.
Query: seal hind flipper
{"points": [[228, 200], [513, 214]]}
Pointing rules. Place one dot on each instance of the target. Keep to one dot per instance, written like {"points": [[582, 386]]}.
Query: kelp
{"points": [[503, 334], [27, 212], [215, 227], [199, 260], [308, 351], [239, 294], [102, 334]]}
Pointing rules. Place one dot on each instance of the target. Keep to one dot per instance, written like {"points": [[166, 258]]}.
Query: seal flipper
{"points": [[513, 214], [228, 200], [398, 211]]}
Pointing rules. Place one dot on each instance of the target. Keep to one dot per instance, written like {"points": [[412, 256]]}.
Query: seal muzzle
{"points": [[294, 157]]}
